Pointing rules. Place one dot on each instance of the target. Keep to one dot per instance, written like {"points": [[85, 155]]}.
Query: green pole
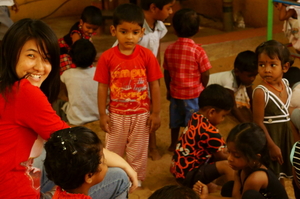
{"points": [[270, 20]]}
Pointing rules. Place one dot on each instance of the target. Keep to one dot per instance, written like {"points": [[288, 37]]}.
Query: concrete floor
{"points": [[221, 48]]}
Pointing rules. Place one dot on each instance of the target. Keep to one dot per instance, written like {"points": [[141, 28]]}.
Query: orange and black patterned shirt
{"points": [[196, 146]]}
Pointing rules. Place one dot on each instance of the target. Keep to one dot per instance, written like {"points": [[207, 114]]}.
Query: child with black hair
{"points": [[200, 153], [248, 156], [76, 161], [130, 71], [174, 192], [186, 72], [239, 83], [89, 23]]}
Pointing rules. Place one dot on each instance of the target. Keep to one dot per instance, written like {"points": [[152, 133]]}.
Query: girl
{"points": [[247, 155], [271, 100], [89, 23]]}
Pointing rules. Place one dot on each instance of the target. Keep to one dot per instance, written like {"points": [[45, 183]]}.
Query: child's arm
{"points": [[283, 13], [256, 181], [114, 160], [258, 117], [154, 119], [75, 36], [167, 82], [63, 92], [205, 78], [102, 96], [220, 155]]}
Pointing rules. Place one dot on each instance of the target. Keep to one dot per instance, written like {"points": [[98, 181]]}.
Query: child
{"points": [[271, 101], [90, 21], [247, 149], [174, 192], [80, 88], [128, 69], [293, 76], [186, 72], [295, 160], [200, 154], [76, 161], [239, 83]]}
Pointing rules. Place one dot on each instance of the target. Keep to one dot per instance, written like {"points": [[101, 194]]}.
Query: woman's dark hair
{"points": [[92, 15], [83, 53], [12, 43], [71, 154], [128, 13], [174, 192], [250, 140], [216, 96], [186, 22], [274, 49]]}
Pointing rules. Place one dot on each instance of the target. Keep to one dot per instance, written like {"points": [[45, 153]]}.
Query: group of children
{"points": [[129, 74]]}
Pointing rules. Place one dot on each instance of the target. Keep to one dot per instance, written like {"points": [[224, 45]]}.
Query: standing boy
{"points": [[186, 72], [200, 154], [128, 70]]}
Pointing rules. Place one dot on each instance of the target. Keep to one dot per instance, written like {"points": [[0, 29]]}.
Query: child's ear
{"points": [[152, 7], [211, 112], [80, 22], [113, 30], [236, 71], [285, 67], [88, 178], [142, 32]]}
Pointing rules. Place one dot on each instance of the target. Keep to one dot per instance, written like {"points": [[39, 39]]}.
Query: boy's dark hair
{"points": [[145, 4], [250, 140], [128, 13], [246, 61], [92, 15], [174, 192], [274, 49], [71, 154], [292, 75], [186, 22], [216, 96], [83, 53]]}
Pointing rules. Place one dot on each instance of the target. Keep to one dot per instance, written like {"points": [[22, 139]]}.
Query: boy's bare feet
{"points": [[154, 154]]}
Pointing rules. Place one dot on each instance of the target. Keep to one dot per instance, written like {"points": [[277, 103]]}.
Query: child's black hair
{"points": [[292, 75], [71, 154], [83, 53], [174, 192], [128, 13], [216, 96], [145, 4], [186, 22], [246, 61], [274, 49], [92, 15], [250, 140]]}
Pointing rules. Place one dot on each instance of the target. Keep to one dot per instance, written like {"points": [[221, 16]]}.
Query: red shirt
{"points": [[25, 115], [185, 62], [128, 77]]}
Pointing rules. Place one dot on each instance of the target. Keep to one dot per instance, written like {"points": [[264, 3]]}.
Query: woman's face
{"points": [[33, 64]]}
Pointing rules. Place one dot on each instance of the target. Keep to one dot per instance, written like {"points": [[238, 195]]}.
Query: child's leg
{"points": [[153, 151], [137, 147], [174, 138]]}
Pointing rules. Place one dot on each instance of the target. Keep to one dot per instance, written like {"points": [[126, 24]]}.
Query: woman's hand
{"points": [[201, 189]]}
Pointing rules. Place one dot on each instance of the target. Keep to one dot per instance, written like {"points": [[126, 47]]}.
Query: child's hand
{"points": [[201, 189], [275, 153], [153, 122], [105, 123]]}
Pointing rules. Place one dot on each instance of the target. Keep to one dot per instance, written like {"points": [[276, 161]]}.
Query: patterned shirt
{"points": [[185, 60], [196, 146]]}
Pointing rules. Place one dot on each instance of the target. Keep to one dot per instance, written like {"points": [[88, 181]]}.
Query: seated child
{"points": [[295, 160], [78, 87], [186, 72], [293, 76], [239, 83], [174, 192], [200, 153]]}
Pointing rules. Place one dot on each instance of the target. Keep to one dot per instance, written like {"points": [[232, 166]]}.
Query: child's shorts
{"points": [[181, 111]]}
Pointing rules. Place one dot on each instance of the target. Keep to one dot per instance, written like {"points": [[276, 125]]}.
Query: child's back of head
{"points": [[145, 4], [71, 154], [186, 23], [216, 96], [92, 15], [83, 53], [174, 192], [246, 61], [128, 13], [292, 75]]}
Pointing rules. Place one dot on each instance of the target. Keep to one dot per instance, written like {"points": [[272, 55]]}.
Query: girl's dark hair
{"points": [[92, 15], [250, 140], [12, 43], [128, 13], [274, 49], [71, 154], [216, 96], [186, 22], [174, 192], [145, 4]]}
